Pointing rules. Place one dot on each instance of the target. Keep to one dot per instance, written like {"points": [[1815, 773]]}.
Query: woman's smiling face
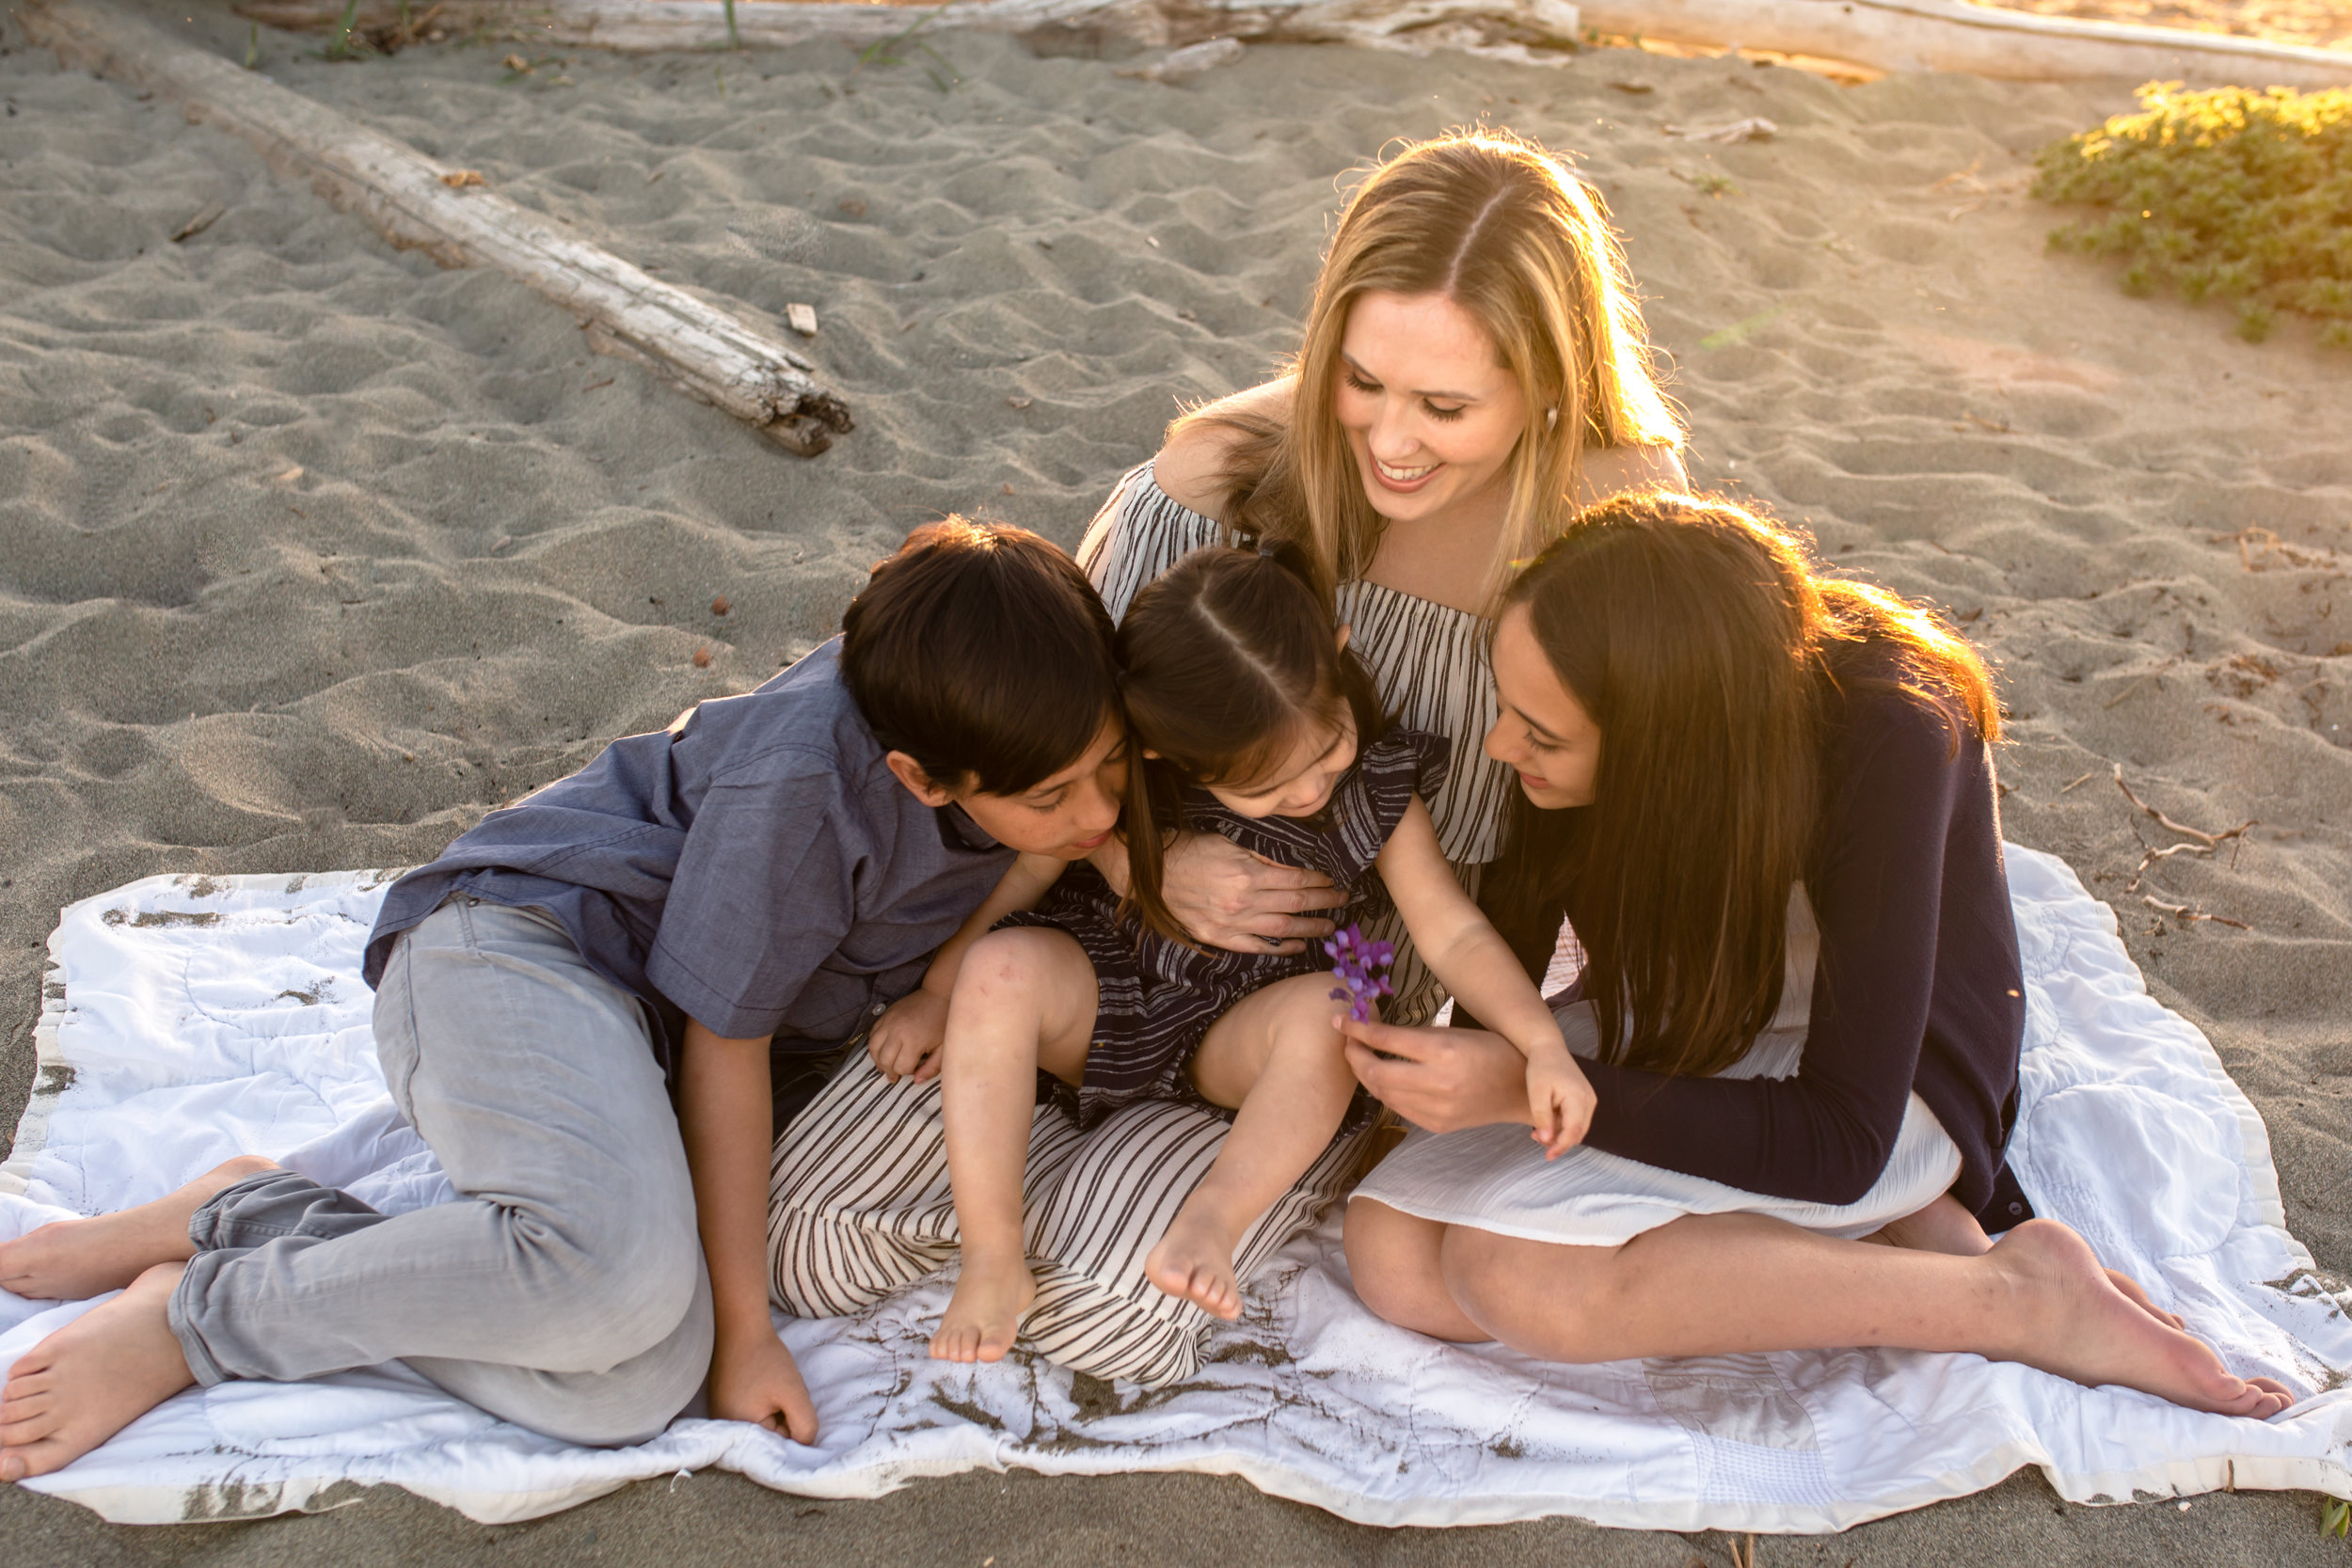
{"points": [[1428, 408], [1544, 733]]}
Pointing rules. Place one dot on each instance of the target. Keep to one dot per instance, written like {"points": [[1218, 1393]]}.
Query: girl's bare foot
{"points": [[984, 1317], [76, 1260], [2139, 1297], [1194, 1261], [2087, 1329], [92, 1378], [1944, 1225]]}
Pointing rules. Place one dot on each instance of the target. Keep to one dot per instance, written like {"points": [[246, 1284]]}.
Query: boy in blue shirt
{"points": [[766, 875]]}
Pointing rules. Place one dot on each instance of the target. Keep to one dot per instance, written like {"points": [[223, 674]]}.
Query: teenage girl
{"points": [[1250, 719]]}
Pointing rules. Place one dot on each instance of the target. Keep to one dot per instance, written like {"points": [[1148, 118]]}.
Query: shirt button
{"points": [[2016, 1207], [879, 1008]]}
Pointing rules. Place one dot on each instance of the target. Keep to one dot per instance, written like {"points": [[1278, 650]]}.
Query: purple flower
{"points": [[1360, 966]]}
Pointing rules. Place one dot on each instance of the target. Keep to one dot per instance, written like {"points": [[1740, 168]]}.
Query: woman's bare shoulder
{"points": [[1193, 467], [1606, 471]]}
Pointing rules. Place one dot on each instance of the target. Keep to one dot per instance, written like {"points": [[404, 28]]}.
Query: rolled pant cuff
{"points": [[213, 1226], [186, 1302]]}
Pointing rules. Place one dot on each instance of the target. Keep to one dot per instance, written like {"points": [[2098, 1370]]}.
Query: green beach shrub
{"points": [[2234, 194]]}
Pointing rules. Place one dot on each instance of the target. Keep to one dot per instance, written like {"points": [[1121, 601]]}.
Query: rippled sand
{"points": [[311, 552]]}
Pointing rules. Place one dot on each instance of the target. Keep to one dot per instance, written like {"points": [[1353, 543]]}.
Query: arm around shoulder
{"points": [[1191, 467]]}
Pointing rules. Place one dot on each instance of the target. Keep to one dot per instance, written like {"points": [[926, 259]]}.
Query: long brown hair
{"points": [[1703, 643], [1228, 660], [1498, 225]]}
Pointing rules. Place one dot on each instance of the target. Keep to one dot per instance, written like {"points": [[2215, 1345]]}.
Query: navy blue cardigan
{"points": [[1918, 987]]}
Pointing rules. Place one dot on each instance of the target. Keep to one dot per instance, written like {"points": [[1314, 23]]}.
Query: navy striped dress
{"points": [[1157, 997], [1428, 661]]}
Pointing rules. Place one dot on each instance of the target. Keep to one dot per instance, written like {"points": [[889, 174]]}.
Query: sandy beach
{"points": [[312, 552]]}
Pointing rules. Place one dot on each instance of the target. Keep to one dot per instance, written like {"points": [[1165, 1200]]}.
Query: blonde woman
{"points": [[1472, 368], [1474, 372]]}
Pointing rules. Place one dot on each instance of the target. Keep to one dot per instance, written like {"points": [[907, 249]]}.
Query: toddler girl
{"points": [[1248, 717]]}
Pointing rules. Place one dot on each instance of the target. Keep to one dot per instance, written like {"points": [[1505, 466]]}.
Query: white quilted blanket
{"points": [[186, 1020]]}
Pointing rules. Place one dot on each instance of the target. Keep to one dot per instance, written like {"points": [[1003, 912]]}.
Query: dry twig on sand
{"points": [[2188, 916], [2256, 546], [415, 202], [2202, 837], [2197, 841]]}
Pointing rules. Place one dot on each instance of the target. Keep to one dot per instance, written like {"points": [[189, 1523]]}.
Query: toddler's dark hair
{"points": [[982, 651], [1227, 659]]}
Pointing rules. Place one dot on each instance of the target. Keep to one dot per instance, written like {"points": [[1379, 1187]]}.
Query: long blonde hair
{"points": [[1496, 224]]}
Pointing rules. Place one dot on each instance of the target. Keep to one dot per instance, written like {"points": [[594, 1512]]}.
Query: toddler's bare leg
{"points": [[1277, 1057], [1024, 999], [76, 1260]]}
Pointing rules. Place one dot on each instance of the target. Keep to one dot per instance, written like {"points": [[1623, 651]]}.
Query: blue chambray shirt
{"points": [[756, 866]]}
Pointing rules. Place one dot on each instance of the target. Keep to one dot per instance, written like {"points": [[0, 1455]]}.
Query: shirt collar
{"points": [[957, 830]]}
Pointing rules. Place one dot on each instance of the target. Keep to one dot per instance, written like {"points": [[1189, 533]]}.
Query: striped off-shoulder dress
{"points": [[1427, 659]]}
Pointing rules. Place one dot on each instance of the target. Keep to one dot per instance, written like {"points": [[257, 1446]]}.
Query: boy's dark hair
{"points": [[982, 651]]}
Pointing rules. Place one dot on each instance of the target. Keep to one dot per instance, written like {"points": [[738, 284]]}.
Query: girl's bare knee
{"points": [[1301, 1026], [1489, 1276], [1389, 1277], [1018, 961]]}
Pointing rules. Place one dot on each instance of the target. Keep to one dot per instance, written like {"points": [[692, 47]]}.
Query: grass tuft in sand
{"points": [[2231, 193]]}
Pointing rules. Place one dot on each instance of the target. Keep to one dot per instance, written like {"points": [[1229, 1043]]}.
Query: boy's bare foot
{"points": [[2089, 1330], [92, 1378], [984, 1317], [1194, 1261], [76, 1260]]}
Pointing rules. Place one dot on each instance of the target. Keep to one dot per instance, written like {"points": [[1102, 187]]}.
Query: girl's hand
{"points": [[753, 1378], [1559, 1099], [1228, 897], [1441, 1080], [905, 1040]]}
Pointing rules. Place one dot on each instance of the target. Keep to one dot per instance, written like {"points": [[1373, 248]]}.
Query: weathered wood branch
{"points": [[1884, 35], [416, 203], [1508, 27], [1976, 41]]}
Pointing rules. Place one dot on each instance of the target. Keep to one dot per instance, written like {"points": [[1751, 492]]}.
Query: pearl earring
{"points": [[1551, 417]]}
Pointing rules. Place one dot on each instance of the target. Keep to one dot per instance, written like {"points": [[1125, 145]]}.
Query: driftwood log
{"points": [[416, 203], [1508, 28], [1975, 41], [1882, 34]]}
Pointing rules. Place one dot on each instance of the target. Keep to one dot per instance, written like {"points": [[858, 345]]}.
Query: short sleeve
{"points": [[1373, 800], [765, 891], [1140, 533]]}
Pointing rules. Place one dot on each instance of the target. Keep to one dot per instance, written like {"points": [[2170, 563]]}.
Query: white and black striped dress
{"points": [[1428, 661], [1157, 997]]}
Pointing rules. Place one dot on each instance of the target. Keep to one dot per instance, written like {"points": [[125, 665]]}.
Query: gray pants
{"points": [[564, 1291]]}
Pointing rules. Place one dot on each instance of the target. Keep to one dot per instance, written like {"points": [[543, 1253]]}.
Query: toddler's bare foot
{"points": [[2090, 1330], [76, 1260], [1195, 1262], [984, 1317], [92, 1378]]}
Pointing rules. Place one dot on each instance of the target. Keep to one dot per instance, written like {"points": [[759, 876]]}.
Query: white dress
{"points": [[1497, 1178]]}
